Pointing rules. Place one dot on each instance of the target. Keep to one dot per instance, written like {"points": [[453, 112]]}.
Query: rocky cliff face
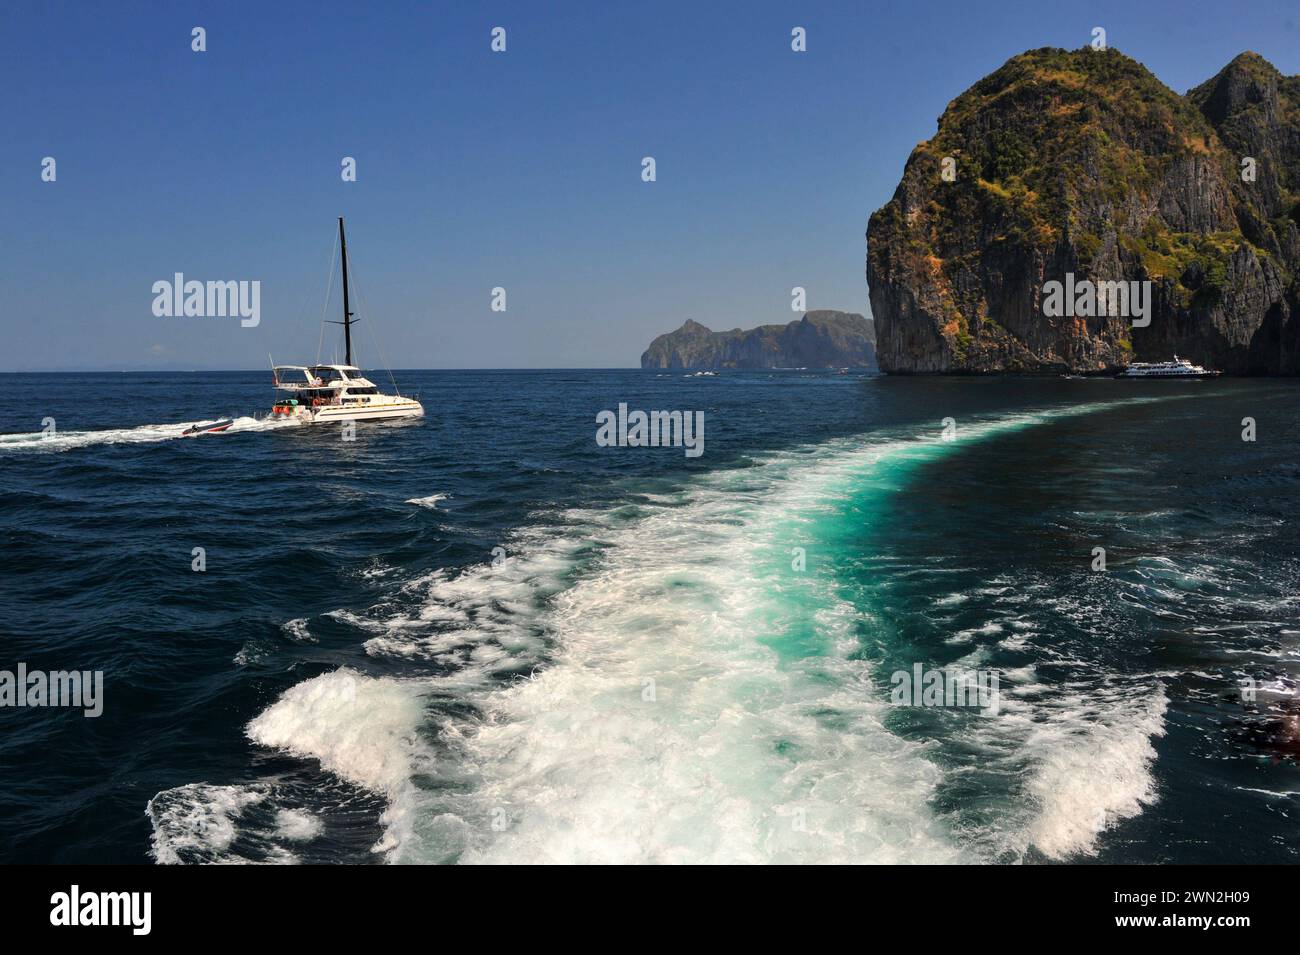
{"points": [[1084, 163], [821, 339]]}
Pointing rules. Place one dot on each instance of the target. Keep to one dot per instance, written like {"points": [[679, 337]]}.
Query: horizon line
{"points": [[199, 371]]}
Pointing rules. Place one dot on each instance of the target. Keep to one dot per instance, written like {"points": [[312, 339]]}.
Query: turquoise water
{"points": [[483, 638]]}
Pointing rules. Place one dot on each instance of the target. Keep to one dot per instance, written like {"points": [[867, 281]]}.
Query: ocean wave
{"points": [[430, 502], [1092, 753], [363, 729], [663, 683], [297, 825], [297, 630], [201, 823]]}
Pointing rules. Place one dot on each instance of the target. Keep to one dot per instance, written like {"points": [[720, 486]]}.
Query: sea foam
{"points": [[659, 684]]}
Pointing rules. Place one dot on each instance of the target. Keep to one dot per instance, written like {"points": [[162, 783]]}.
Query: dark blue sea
{"points": [[482, 637]]}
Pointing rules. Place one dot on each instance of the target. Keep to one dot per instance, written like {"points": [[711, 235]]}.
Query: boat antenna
{"points": [[347, 322]]}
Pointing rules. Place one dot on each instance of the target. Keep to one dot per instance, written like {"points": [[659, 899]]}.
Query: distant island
{"points": [[821, 339], [1079, 168]]}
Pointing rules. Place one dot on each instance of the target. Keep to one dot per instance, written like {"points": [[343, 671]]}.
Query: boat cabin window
{"points": [[326, 375], [289, 375], [363, 391]]}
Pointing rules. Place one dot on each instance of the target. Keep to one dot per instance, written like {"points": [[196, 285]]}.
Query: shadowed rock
{"points": [[821, 339]]}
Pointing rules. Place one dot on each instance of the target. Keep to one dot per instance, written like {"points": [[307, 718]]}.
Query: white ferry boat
{"points": [[1178, 368], [323, 393]]}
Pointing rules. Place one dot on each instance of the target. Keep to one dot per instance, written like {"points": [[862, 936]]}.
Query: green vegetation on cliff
{"points": [[821, 339], [1084, 162]]}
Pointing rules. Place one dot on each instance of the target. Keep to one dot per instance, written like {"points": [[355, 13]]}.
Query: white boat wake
{"points": [[655, 683], [142, 434]]}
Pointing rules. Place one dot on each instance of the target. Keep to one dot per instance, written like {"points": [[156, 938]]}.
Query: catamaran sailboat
{"points": [[323, 393]]}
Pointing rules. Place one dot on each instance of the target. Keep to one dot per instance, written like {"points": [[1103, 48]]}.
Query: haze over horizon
{"points": [[476, 170]]}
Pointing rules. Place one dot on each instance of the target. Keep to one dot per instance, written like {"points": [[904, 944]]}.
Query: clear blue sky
{"points": [[477, 169]]}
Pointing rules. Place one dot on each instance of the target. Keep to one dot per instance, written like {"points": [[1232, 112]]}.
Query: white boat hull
{"points": [[407, 408]]}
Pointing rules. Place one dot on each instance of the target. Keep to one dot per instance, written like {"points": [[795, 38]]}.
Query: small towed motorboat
{"points": [[197, 429]]}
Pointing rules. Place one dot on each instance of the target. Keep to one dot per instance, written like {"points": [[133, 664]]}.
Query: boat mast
{"points": [[347, 313]]}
